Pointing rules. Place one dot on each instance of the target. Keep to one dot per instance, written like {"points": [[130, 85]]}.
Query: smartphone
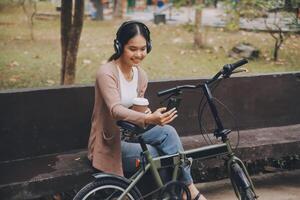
{"points": [[173, 103]]}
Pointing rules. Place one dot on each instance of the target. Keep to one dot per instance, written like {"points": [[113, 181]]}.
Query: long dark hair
{"points": [[126, 31]]}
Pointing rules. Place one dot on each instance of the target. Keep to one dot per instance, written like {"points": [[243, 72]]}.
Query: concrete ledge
{"points": [[44, 175], [62, 172], [260, 143]]}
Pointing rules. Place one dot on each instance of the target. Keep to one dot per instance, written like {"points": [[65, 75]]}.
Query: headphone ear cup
{"points": [[149, 46], [117, 47]]}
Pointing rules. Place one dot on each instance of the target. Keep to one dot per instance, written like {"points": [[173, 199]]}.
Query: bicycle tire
{"points": [[249, 194], [242, 183], [107, 188]]}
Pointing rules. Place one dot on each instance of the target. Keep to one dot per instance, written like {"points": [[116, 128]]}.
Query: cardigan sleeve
{"points": [[108, 86], [144, 83]]}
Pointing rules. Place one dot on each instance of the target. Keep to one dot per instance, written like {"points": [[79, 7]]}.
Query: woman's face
{"points": [[134, 51]]}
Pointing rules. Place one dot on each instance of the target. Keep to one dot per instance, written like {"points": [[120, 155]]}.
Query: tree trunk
{"points": [[99, 7], [71, 27], [197, 33], [66, 23], [276, 48], [29, 8], [278, 42], [279, 38], [118, 8]]}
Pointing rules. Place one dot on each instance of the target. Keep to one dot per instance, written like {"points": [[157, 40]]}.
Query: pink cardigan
{"points": [[104, 147]]}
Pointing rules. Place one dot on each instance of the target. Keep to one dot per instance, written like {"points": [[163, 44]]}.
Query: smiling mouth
{"points": [[136, 60]]}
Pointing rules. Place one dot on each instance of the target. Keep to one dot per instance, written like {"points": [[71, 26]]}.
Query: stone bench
{"points": [[44, 132], [50, 174]]}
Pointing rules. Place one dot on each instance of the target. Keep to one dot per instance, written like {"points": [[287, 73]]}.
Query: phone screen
{"points": [[173, 103]]}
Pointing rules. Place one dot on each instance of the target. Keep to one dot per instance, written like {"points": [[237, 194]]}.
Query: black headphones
{"points": [[119, 47]]}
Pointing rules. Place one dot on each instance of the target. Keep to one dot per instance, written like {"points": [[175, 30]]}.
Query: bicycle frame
{"points": [[176, 160]]}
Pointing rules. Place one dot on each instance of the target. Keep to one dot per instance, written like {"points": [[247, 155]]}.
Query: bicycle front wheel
{"points": [[241, 183], [108, 189]]}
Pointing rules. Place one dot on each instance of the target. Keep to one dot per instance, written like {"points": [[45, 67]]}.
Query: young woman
{"points": [[117, 83]]}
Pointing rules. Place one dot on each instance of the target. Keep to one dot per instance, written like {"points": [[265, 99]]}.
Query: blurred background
{"points": [[40, 40]]}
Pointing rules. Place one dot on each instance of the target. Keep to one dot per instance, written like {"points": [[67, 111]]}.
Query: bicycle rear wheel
{"points": [[107, 188], [241, 183]]}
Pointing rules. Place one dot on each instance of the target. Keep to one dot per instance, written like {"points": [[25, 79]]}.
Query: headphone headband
{"points": [[124, 24], [118, 45]]}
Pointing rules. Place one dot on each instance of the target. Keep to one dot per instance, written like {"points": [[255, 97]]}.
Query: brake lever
{"points": [[240, 70]]}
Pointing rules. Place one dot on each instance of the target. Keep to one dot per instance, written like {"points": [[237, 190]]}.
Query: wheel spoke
{"points": [[107, 189]]}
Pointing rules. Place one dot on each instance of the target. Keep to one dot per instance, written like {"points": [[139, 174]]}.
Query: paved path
{"points": [[216, 18], [278, 186]]}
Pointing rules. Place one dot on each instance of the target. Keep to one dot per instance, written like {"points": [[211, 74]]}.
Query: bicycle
{"points": [[108, 186]]}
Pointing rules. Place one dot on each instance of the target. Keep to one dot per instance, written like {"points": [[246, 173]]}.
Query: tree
{"points": [[71, 27], [119, 5], [251, 9], [29, 8], [198, 17], [233, 14], [277, 34], [275, 28], [198, 5], [99, 9]]}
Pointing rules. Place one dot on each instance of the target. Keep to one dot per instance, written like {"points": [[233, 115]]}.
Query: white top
{"points": [[128, 88]]}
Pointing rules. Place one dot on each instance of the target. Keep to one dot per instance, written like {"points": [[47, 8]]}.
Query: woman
{"points": [[117, 83]]}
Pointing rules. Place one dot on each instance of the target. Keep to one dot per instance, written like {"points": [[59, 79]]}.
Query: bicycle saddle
{"points": [[133, 128]]}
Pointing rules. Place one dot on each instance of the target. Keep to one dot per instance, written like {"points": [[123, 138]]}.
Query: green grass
{"points": [[26, 63]]}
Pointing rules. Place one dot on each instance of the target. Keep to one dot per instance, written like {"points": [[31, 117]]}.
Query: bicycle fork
{"points": [[245, 181]]}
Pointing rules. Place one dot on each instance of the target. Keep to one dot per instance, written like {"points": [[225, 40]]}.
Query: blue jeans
{"points": [[160, 140]]}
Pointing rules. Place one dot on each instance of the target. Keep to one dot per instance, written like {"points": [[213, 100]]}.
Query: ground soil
{"points": [[281, 186]]}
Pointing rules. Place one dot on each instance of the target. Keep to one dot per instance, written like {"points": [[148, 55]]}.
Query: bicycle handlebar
{"points": [[226, 71], [175, 90]]}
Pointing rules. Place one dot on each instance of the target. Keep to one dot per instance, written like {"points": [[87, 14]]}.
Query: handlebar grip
{"points": [[168, 91], [228, 68], [238, 64]]}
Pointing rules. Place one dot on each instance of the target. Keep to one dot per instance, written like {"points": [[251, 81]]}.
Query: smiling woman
{"points": [[118, 82]]}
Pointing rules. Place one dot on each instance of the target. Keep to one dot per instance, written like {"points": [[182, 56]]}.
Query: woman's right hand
{"points": [[161, 117]]}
